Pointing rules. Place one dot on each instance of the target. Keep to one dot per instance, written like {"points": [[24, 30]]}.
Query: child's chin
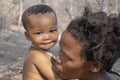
{"points": [[47, 47]]}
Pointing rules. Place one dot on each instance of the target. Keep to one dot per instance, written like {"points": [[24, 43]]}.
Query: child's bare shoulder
{"points": [[39, 62], [37, 56], [36, 59], [42, 62]]}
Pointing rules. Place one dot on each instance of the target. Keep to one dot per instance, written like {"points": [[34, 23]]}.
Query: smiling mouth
{"points": [[58, 73], [47, 41], [54, 63], [55, 70]]}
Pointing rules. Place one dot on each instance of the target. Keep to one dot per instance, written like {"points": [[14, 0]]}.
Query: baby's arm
{"points": [[30, 71], [43, 64]]}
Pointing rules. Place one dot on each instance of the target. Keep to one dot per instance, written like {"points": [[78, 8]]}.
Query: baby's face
{"points": [[42, 31]]}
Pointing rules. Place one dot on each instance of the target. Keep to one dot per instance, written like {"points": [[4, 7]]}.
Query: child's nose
{"points": [[46, 36]]}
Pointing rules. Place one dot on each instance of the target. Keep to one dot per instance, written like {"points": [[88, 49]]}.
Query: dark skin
{"points": [[72, 65], [43, 34]]}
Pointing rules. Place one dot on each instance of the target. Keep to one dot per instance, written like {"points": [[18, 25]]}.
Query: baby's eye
{"points": [[38, 33], [53, 30]]}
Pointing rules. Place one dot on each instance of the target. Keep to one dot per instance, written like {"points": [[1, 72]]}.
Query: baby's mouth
{"points": [[47, 42]]}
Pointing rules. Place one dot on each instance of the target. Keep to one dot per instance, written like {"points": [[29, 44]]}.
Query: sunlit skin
{"points": [[43, 34], [71, 64], [43, 31]]}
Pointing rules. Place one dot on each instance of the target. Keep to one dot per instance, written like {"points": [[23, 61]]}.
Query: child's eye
{"points": [[38, 33], [53, 30]]}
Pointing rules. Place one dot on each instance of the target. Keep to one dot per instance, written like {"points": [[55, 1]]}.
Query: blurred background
{"points": [[14, 46]]}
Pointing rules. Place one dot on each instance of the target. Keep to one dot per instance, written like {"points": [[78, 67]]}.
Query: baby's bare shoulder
{"points": [[37, 57], [41, 61]]}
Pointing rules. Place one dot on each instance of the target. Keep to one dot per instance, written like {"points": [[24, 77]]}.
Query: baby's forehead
{"points": [[39, 20], [42, 16]]}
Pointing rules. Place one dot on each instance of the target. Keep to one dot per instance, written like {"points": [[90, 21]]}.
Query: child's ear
{"points": [[95, 66], [26, 35]]}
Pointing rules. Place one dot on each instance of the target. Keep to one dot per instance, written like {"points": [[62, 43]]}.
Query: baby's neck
{"points": [[41, 50]]}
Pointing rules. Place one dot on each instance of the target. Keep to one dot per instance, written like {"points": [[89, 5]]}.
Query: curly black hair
{"points": [[99, 34], [36, 9]]}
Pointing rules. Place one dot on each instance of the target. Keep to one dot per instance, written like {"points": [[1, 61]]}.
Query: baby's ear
{"points": [[95, 66], [26, 35]]}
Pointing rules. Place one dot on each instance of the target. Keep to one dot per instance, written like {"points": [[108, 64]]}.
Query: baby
{"points": [[40, 23]]}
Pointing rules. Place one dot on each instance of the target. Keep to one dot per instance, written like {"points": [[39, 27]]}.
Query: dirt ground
{"points": [[13, 47]]}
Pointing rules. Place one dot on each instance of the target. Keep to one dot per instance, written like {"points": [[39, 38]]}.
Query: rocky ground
{"points": [[13, 47]]}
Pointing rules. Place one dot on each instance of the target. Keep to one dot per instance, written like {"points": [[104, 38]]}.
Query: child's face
{"points": [[42, 30]]}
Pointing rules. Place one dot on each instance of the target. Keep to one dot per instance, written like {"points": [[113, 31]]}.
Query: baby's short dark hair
{"points": [[99, 36], [36, 9]]}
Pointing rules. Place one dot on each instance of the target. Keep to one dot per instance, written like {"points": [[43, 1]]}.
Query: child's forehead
{"points": [[41, 20], [42, 17], [47, 14]]}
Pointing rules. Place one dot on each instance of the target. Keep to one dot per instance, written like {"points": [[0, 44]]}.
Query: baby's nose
{"points": [[46, 36]]}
